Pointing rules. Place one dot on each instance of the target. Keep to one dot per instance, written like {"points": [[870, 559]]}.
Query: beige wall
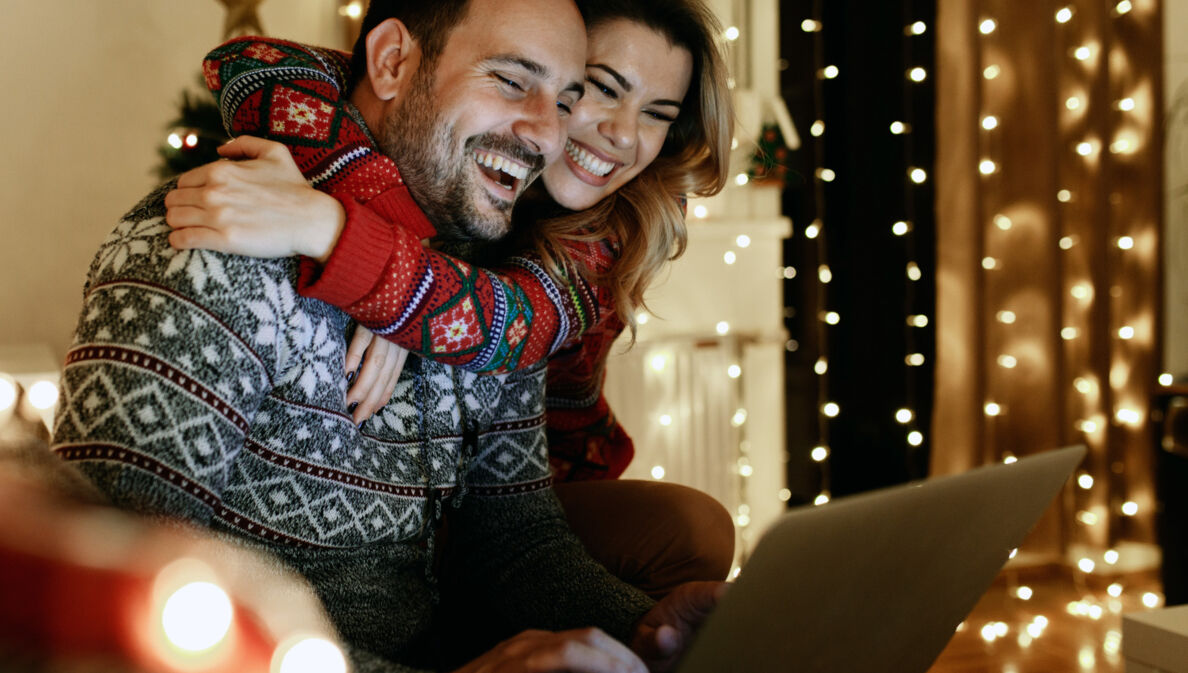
{"points": [[88, 86], [1175, 92]]}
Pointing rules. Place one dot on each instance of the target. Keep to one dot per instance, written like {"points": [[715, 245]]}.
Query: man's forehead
{"points": [[547, 37]]}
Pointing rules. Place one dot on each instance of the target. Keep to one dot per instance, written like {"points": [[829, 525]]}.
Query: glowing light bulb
{"points": [[1130, 508], [813, 230], [1007, 361], [722, 327], [918, 175], [1151, 600], [641, 318], [734, 371], [1009, 459], [1068, 333], [987, 167], [741, 179], [1085, 481], [1126, 332], [789, 272], [918, 28], [1064, 14], [1126, 104], [913, 271], [992, 409], [989, 263], [1083, 385], [784, 495], [987, 26], [1086, 565], [1080, 291], [743, 241], [191, 140], [1005, 317], [1165, 379], [830, 72], [821, 499], [1084, 148], [732, 33], [175, 141], [739, 417], [1024, 593], [810, 26], [1111, 556], [8, 393], [1072, 103], [700, 212], [1064, 196], [665, 420], [831, 409], [1014, 553], [311, 655], [745, 470], [826, 174], [991, 72], [821, 366], [904, 416], [43, 395], [1121, 146], [1088, 427], [197, 616], [917, 74], [1125, 242], [1086, 517], [918, 320], [914, 360], [819, 454], [1114, 590], [989, 122], [1066, 242], [915, 438], [898, 128], [1123, 7], [899, 228], [817, 129], [824, 274], [657, 472], [832, 317], [729, 257], [1082, 53], [659, 362]]}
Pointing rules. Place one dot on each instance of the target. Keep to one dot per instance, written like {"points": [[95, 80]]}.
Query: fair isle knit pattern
{"points": [[439, 307], [201, 386]]}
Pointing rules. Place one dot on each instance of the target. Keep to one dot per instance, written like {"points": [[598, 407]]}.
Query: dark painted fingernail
{"points": [[350, 377], [352, 406]]}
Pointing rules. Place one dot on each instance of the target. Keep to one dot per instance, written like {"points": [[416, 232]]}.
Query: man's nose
{"points": [[540, 127]]}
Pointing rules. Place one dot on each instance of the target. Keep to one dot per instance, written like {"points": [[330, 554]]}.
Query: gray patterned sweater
{"points": [[202, 386]]}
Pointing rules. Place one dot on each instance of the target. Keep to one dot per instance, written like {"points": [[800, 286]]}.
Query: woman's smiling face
{"points": [[635, 84]]}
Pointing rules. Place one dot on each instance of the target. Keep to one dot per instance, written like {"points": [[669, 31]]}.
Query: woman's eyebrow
{"points": [[626, 86]]}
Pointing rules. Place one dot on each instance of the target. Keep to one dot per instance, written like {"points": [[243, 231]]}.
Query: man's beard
{"points": [[441, 181]]}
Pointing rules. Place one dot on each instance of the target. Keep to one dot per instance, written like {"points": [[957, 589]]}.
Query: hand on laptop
{"points": [[578, 651], [665, 632]]}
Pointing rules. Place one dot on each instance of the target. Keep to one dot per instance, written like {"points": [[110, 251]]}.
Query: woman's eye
{"points": [[602, 88]]}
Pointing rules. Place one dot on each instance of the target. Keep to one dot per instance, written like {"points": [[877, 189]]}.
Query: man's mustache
{"points": [[509, 147]]}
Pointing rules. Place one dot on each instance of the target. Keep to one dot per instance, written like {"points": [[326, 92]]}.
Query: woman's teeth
{"points": [[502, 164], [587, 161]]}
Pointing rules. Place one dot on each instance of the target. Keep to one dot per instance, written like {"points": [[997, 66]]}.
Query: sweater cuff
{"points": [[357, 261], [397, 206]]}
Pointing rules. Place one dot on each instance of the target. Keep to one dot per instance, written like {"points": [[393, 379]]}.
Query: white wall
{"points": [[1175, 92], [88, 87]]}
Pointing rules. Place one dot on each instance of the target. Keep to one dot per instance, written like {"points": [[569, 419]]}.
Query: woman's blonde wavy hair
{"points": [[645, 219]]}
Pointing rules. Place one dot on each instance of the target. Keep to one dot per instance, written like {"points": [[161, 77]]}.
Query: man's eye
{"points": [[507, 81]]}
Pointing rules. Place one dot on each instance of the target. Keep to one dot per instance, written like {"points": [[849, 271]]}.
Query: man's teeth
{"points": [[500, 163], [588, 161]]}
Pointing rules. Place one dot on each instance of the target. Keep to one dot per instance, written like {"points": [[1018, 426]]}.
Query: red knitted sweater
{"points": [[486, 320]]}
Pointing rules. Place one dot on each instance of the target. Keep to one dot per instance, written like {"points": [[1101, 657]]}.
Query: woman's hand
{"points": [[373, 386], [258, 205]]}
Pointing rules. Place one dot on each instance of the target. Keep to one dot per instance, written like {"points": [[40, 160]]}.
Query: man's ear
{"points": [[393, 57]]}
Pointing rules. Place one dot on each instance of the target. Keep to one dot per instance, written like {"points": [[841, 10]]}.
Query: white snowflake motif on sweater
{"points": [[129, 239], [201, 266], [303, 349]]}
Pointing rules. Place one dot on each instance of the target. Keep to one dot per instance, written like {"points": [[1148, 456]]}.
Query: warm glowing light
{"points": [[813, 230], [8, 393], [821, 366], [191, 140], [1165, 379], [832, 317], [1007, 361], [1151, 600], [1080, 291], [1086, 565], [1111, 556], [312, 655], [826, 174], [1126, 104], [898, 128], [987, 26], [991, 72], [819, 454], [1009, 460], [904, 415], [1083, 385], [743, 241], [918, 320], [641, 318], [1082, 53], [658, 472], [1064, 196], [175, 141], [915, 360], [899, 228], [789, 272], [1125, 242], [1014, 553], [729, 257], [732, 33], [915, 438], [743, 520], [830, 72], [824, 274], [1086, 517], [1114, 590], [1126, 332], [1130, 508], [659, 362], [42, 395], [784, 495], [1121, 146], [734, 371], [989, 263], [197, 616], [745, 470], [918, 175], [917, 74], [817, 129], [821, 499], [987, 167], [810, 26], [1064, 14], [913, 271], [1123, 7], [665, 420], [1003, 222], [1085, 481], [831, 409], [1024, 593], [992, 409], [741, 179], [722, 327], [989, 122], [1005, 317], [918, 28], [1084, 148], [700, 212], [739, 417], [1087, 427], [1068, 333], [1066, 242], [1073, 103]]}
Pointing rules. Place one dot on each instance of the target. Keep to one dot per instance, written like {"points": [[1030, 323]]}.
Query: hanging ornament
{"points": [[769, 163], [242, 18]]}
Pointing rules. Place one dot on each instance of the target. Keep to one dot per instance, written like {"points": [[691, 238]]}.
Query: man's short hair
{"points": [[428, 21]]}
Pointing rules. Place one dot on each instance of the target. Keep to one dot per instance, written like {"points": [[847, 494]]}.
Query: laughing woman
{"points": [[654, 125]]}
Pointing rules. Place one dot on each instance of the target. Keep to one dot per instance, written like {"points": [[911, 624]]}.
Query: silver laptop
{"points": [[876, 582]]}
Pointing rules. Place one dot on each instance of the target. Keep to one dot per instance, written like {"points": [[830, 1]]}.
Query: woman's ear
{"points": [[393, 57]]}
